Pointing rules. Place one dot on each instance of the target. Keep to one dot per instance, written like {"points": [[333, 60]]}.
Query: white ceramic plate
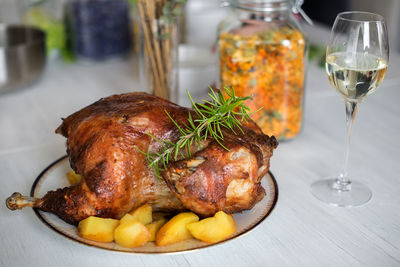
{"points": [[54, 176]]}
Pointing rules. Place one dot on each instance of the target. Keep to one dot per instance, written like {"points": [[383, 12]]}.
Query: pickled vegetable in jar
{"points": [[262, 55]]}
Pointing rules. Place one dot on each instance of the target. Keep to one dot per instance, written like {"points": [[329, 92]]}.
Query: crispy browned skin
{"points": [[101, 140], [217, 179]]}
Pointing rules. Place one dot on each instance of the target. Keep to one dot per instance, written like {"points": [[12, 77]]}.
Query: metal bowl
{"points": [[22, 56]]}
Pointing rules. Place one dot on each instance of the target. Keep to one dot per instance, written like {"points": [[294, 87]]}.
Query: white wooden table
{"points": [[301, 231]]}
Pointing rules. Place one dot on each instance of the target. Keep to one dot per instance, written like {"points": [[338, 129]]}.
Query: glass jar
{"points": [[262, 54], [98, 29], [47, 16]]}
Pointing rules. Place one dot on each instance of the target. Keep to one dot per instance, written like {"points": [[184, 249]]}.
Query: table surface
{"points": [[301, 231]]}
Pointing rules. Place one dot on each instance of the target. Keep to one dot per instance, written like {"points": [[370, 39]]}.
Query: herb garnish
{"points": [[210, 118]]}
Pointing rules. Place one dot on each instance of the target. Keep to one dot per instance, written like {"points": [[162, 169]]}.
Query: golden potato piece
{"points": [[143, 214], [213, 229], [131, 234], [73, 177], [97, 229], [154, 227], [175, 229], [127, 218]]}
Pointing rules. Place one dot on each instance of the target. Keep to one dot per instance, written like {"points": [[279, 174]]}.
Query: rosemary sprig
{"points": [[210, 118]]}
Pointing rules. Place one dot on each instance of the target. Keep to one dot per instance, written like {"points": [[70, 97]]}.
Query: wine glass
{"points": [[356, 61]]}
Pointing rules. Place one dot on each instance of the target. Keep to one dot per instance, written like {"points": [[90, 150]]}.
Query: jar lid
{"points": [[259, 5], [269, 6]]}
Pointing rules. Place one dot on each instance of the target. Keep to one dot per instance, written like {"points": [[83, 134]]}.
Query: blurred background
{"points": [[97, 31], [324, 12]]}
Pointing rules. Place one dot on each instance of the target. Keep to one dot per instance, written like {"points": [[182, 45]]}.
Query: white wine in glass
{"points": [[355, 76], [356, 61]]}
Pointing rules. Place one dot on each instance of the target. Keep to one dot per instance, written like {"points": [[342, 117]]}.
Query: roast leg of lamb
{"points": [[103, 143]]}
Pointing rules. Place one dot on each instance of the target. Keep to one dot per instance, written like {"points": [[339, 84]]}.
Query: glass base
{"points": [[331, 192]]}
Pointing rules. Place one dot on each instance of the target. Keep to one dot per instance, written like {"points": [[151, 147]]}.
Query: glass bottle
{"points": [[262, 54]]}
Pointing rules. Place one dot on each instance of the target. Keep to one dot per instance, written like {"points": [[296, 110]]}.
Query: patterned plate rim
{"points": [[244, 232]]}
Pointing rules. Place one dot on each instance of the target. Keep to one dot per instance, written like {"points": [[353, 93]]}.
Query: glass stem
{"points": [[343, 183]]}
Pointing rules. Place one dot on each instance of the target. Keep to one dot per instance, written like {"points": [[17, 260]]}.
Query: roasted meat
{"points": [[103, 143]]}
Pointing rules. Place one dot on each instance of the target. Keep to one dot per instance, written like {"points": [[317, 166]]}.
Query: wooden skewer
{"points": [[158, 50], [168, 60], [148, 44], [161, 91]]}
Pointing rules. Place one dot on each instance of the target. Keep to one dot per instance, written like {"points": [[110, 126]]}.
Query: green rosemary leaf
{"points": [[214, 97], [190, 120], [176, 153], [194, 106], [219, 142], [162, 143], [219, 130], [198, 139], [188, 151], [139, 150], [209, 109], [176, 124]]}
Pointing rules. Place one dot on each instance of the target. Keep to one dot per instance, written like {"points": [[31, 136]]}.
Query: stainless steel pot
{"points": [[22, 56]]}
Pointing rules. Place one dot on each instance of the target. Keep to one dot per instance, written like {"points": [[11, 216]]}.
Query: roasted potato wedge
{"points": [[127, 218], [143, 214], [213, 229], [154, 227], [97, 229], [175, 229], [131, 234], [73, 177]]}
